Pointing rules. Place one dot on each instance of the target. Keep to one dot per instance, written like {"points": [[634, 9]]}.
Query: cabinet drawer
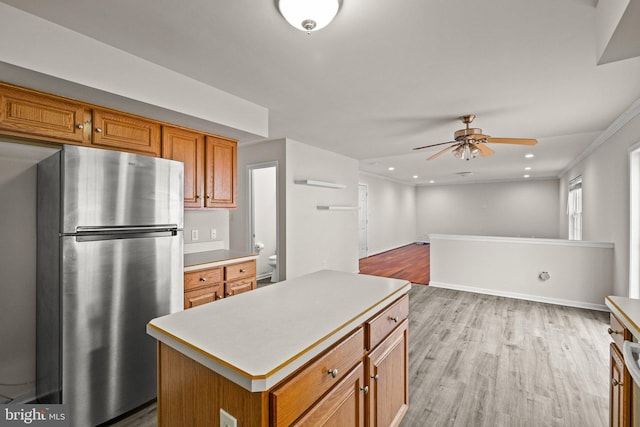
{"points": [[202, 296], [198, 279], [300, 392], [240, 270], [378, 327], [619, 333], [239, 286]]}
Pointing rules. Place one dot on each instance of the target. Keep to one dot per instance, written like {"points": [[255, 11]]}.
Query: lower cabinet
{"points": [[332, 390], [214, 283], [619, 391], [388, 374]]}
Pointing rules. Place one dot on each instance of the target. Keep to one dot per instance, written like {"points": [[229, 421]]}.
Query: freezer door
{"points": [[102, 188], [111, 288]]}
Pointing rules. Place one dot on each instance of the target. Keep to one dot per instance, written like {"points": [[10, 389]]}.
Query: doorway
{"points": [[362, 221], [634, 226], [263, 217]]}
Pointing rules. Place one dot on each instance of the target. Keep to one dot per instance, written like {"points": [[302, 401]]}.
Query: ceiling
{"points": [[386, 76]]}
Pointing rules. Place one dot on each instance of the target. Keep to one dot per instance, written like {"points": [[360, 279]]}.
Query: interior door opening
{"points": [[263, 219]]}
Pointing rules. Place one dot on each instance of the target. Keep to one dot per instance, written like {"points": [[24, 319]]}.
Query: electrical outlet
{"points": [[226, 420], [194, 235], [214, 233]]}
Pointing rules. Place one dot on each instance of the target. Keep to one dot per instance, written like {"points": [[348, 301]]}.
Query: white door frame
{"points": [[366, 218]]}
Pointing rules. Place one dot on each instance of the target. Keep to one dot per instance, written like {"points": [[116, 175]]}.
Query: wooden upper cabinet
{"points": [[24, 113], [221, 163], [187, 147], [125, 133]]}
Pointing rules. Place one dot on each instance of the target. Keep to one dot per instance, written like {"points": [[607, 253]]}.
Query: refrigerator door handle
{"points": [[125, 229]]}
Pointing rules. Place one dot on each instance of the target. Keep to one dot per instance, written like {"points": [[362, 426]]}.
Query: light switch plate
{"points": [[226, 420]]}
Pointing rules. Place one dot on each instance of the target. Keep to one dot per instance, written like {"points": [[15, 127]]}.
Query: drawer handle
{"points": [[615, 382], [394, 319], [99, 130], [218, 296], [333, 373], [242, 270], [365, 389], [203, 279], [611, 331], [375, 377]]}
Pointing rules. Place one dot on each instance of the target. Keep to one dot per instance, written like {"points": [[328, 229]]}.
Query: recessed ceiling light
{"points": [[529, 156], [526, 176], [431, 182], [391, 168], [528, 168], [415, 176]]}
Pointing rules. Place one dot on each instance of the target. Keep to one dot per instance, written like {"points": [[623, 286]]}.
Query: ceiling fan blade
{"points": [[521, 141], [434, 145], [440, 153], [484, 150]]}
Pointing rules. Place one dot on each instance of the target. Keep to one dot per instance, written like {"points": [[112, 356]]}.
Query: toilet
{"points": [[273, 263]]}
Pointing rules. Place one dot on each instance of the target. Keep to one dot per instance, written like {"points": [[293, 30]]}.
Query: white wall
{"points": [[391, 211], [204, 221], [605, 198], [319, 239], [18, 191], [517, 209], [580, 272]]}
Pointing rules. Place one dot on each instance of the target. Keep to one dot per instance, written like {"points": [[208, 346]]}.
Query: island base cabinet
{"points": [[388, 385], [619, 391], [190, 394], [342, 406]]}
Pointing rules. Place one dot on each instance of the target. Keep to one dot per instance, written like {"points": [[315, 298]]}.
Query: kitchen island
{"points": [[321, 347]]}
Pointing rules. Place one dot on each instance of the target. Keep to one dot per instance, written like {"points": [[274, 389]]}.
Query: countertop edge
{"points": [[218, 263], [623, 316]]}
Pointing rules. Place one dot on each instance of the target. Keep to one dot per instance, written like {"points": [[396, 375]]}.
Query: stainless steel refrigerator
{"points": [[110, 259]]}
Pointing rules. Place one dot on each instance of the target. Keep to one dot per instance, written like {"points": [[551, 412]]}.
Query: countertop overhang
{"points": [[257, 338], [627, 310]]}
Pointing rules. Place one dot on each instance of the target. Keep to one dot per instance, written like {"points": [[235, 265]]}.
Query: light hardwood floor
{"points": [[478, 360]]}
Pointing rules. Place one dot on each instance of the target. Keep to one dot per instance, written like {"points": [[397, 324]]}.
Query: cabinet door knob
{"points": [[333, 373], [375, 377], [365, 389], [242, 270], [615, 382], [80, 126], [218, 296], [611, 331], [203, 279], [394, 319], [99, 130]]}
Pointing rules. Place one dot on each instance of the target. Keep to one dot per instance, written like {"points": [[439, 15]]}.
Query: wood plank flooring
{"points": [[479, 360], [410, 262]]}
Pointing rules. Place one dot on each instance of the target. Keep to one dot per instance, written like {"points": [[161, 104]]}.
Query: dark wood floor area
{"points": [[410, 262]]}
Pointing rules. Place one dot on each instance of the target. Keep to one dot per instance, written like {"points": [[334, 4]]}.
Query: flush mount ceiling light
{"points": [[308, 15]]}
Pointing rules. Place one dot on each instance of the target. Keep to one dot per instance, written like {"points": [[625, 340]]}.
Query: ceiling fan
{"points": [[470, 142]]}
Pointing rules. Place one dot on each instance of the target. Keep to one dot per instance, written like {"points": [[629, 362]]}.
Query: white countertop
{"points": [[257, 338], [627, 310]]}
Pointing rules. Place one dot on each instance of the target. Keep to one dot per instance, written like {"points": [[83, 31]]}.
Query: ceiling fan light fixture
{"points": [[308, 15]]}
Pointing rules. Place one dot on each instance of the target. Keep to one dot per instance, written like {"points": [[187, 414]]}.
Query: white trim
{"points": [[619, 123], [526, 240], [515, 295], [336, 208], [489, 181]]}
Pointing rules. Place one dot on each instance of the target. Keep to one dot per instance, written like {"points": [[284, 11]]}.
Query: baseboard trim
{"points": [[515, 295], [263, 276]]}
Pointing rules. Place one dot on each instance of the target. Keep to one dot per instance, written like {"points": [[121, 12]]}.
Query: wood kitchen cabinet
{"points": [[220, 175], [620, 383], [239, 277], [125, 132], [30, 114], [187, 147], [209, 167]]}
